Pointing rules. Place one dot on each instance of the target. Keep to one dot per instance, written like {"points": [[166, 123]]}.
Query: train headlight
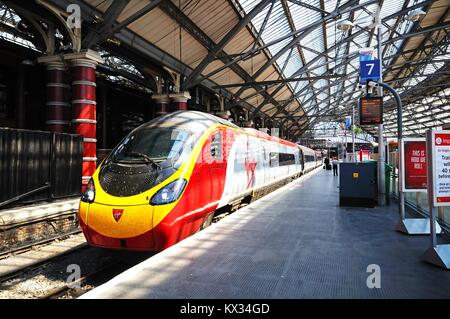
{"points": [[169, 193], [88, 195]]}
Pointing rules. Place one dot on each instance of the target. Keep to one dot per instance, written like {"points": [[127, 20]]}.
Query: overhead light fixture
{"points": [[415, 15], [345, 25]]}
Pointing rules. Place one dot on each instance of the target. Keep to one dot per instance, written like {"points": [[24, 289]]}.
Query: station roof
{"points": [[288, 59]]}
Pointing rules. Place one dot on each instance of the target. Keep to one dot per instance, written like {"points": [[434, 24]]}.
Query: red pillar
{"points": [[84, 119], [162, 104], [179, 101], [84, 112], [57, 105]]}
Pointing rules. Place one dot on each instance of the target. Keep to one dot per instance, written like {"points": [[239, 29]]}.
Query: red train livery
{"points": [[168, 177]]}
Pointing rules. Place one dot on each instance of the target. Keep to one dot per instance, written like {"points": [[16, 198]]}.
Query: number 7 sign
{"points": [[369, 70]]}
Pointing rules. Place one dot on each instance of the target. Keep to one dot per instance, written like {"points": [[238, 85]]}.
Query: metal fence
{"points": [[37, 166]]}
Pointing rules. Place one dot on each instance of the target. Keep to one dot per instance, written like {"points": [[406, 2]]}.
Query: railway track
{"points": [[95, 278], [35, 244], [47, 278], [11, 275]]}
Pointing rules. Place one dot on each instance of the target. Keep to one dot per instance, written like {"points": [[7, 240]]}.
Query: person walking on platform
{"points": [[335, 163]]}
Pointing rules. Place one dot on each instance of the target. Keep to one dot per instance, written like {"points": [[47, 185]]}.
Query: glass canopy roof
{"points": [[308, 75], [324, 50]]}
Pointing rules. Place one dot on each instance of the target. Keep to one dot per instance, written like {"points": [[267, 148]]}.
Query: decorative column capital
{"points": [[247, 124], [56, 61], [180, 97], [161, 98], [86, 56], [223, 114]]}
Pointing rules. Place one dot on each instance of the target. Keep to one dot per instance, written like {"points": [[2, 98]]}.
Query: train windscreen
{"points": [[153, 144]]}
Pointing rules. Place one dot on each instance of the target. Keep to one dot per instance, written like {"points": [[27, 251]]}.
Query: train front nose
{"points": [[118, 227]]}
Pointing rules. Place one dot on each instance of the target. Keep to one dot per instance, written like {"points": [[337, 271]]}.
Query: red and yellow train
{"points": [[168, 177]]}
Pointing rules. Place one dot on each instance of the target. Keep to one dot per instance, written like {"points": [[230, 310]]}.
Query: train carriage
{"points": [[168, 178]]}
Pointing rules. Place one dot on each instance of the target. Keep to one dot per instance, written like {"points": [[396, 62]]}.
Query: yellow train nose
{"points": [[119, 221]]}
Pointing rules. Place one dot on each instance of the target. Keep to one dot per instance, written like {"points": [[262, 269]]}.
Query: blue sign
{"points": [[369, 70], [365, 54], [348, 122]]}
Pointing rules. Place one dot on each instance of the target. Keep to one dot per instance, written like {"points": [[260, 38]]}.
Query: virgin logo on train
{"points": [[250, 167], [117, 214]]}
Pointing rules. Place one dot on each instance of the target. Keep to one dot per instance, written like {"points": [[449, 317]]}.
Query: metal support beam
{"points": [[190, 80], [309, 78], [135, 16], [310, 7], [103, 30]]}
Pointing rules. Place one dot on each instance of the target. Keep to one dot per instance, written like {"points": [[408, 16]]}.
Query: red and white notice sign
{"points": [[440, 142], [414, 155]]}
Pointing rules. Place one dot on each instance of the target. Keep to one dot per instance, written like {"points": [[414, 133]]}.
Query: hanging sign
{"points": [[365, 54], [369, 71], [414, 156], [348, 122], [439, 144], [369, 68]]}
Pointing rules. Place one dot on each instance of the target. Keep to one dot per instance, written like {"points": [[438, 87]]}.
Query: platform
{"points": [[294, 243], [30, 213], [31, 223]]}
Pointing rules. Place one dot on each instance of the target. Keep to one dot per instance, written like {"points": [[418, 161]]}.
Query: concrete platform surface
{"points": [[294, 243], [29, 213]]}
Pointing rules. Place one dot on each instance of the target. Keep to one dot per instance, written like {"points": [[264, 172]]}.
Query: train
{"points": [[169, 177]]}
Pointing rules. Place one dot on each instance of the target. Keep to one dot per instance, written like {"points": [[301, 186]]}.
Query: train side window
{"points": [[286, 159], [216, 146], [274, 162]]}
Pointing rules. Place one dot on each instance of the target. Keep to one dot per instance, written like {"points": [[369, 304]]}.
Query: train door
{"points": [[302, 161], [250, 161], [263, 162], [208, 178], [217, 168]]}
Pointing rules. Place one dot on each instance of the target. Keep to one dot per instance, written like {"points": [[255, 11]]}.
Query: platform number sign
{"points": [[369, 70]]}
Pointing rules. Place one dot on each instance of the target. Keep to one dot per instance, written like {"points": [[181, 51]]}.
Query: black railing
{"points": [[38, 166]]}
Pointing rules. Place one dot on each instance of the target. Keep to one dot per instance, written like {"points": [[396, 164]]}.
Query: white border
{"points": [[402, 160]]}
